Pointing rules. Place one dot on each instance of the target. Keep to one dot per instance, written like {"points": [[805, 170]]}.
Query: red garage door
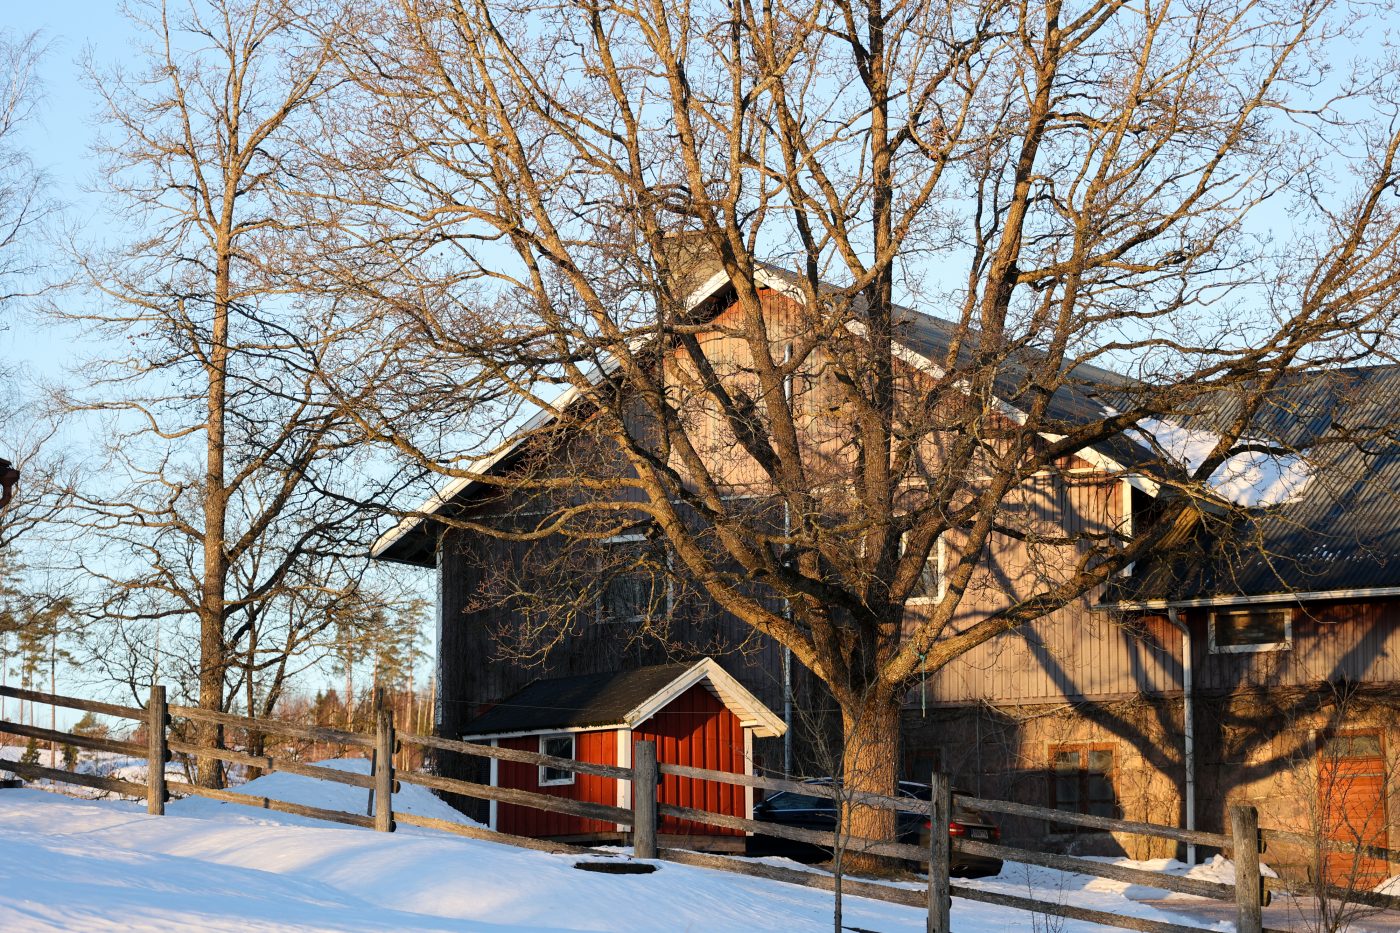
{"points": [[1351, 772]]}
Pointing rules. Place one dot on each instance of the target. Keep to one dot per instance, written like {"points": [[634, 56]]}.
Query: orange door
{"points": [[1351, 772]]}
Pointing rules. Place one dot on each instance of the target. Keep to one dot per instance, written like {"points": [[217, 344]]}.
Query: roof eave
{"points": [[1147, 605]]}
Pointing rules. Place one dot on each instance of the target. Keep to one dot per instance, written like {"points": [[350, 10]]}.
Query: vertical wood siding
{"points": [[475, 670], [1075, 652], [697, 730], [597, 747], [1355, 641]]}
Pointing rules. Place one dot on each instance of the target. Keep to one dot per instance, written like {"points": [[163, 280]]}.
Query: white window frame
{"points": [[939, 558], [1284, 645], [600, 607], [573, 756]]}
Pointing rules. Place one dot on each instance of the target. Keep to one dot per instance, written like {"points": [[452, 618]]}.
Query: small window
{"points": [[929, 587], [632, 591], [1245, 630], [1081, 780], [1352, 745], [556, 746]]}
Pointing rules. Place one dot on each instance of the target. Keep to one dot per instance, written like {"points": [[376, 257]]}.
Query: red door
{"points": [[1352, 785]]}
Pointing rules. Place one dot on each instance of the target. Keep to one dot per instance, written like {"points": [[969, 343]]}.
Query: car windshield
{"points": [[786, 800]]}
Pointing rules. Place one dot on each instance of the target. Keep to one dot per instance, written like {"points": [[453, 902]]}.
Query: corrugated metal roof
{"points": [[1341, 533]]}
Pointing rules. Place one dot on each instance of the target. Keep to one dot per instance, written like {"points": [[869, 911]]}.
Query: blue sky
{"points": [[59, 140]]}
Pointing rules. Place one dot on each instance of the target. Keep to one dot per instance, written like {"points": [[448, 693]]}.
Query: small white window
{"points": [[931, 584], [556, 746], [1237, 631]]}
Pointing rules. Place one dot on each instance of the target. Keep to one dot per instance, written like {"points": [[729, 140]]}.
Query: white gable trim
{"points": [[751, 712], [736, 698]]}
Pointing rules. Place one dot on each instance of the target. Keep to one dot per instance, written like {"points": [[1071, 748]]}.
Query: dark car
{"points": [[818, 812]]}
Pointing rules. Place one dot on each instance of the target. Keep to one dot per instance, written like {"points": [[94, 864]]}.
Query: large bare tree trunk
{"points": [[869, 764], [1026, 174]]}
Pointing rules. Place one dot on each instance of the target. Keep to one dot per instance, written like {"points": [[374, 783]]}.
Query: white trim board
{"points": [[751, 712], [1376, 592]]}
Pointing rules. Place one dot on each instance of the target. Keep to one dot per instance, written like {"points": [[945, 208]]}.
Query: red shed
{"points": [[696, 713]]}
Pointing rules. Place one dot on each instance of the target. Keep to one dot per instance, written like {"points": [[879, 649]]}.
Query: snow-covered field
{"points": [[69, 864]]}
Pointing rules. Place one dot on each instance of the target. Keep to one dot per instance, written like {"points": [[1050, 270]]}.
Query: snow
{"points": [[312, 792], [106, 865], [1249, 478]]}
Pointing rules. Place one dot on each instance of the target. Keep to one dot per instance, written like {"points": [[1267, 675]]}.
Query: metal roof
{"points": [[1341, 533], [1082, 397]]}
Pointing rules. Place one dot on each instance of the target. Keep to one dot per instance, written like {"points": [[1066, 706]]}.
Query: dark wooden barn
{"points": [[696, 713]]}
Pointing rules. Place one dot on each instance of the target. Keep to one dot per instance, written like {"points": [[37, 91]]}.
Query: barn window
{"points": [[1352, 745], [629, 593], [556, 746], [1234, 631], [1081, 780], [929, 587]]}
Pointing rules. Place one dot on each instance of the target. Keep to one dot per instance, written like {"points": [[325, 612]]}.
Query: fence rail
{"points": [[1245, 841], [87, 706]]}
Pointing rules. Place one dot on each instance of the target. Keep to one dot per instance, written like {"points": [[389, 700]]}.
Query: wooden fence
{"points": [[1245, 840]]}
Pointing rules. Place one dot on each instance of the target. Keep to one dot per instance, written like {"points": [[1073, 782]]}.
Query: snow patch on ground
{"points": [[106, 865], [313, 792]]}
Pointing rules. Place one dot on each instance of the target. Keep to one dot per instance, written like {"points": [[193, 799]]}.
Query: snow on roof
{"points": [[1250, 478]]}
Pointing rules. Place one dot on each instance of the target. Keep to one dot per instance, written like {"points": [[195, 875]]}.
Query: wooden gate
{"points": [[1352, 785]]}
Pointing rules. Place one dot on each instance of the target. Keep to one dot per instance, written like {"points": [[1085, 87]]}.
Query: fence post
{"points": [[1249, 882], [644, 777], [157, 752], [383, 766], [939, 854]]}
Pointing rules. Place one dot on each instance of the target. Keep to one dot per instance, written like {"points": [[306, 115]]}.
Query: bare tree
{"points": [[539, 198], [1337, 782], [25, 206], [213, 502], [24, 203]]}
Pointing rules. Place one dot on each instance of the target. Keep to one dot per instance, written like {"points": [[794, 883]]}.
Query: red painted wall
{"points": [[696, 729], [597, 747]]}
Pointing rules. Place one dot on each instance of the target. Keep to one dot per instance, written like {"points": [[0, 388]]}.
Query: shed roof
{"points": [[618, 699]]}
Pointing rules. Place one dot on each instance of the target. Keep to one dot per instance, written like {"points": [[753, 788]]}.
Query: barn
{"points": [[695, 712]]}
